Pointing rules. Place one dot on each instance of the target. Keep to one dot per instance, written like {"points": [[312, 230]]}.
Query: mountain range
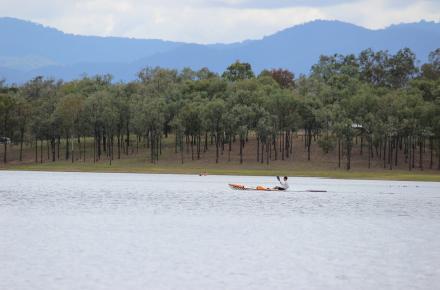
{"points": [[29, 49]]}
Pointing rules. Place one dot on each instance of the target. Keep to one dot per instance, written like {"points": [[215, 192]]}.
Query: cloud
{"points": [[210, 21], [376, 14], [274, 4]]}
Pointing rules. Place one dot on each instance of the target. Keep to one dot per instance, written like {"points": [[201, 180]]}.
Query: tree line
{"points": [[388, 101]]}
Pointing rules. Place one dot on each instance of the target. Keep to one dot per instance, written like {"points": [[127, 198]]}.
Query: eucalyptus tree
{"points": [[43, 96], [121, 99], [94, 111], [309, 111], [204, 73], [436, 127], [22, 112], [214, 111], [193, 117], [7, 107], [230, 121], [243, 115], [283, 106], [401, 67], [365, 105], [238, 71], [431, 69], [148, 115], [265, 130], [373, 66], [345, 130], [68, 112]]}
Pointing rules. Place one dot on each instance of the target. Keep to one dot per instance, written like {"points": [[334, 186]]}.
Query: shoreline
{"points": [[396, 175]]}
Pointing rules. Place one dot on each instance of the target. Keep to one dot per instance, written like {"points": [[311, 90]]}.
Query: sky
{"points": [[211, 21]]}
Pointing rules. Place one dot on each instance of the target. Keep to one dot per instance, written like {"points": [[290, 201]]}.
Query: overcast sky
{"points": [[209, 21]]}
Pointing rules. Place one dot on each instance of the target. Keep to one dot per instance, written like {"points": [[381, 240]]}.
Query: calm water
{"points": [[136, 231]]}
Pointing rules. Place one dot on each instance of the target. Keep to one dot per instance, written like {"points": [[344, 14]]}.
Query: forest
{"points": [[388, 105]]}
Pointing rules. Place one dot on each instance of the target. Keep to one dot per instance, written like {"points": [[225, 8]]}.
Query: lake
{"points": [[146, 231]]}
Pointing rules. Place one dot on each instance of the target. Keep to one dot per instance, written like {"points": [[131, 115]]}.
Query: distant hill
{"points": [[31, 49]]}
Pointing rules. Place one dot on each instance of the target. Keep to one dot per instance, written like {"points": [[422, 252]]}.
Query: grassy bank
{"points": [[130, 166], [138, 161]]}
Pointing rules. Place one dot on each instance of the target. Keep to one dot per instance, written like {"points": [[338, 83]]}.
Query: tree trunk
{"points": [[339, 153], [430, 151], [258, 149], [104, 142], [73, 152], [94, 148], [199, 138], [349, 145], [79, 148], [267, 151], [52, 145], [217, 147], [384, 153], [41, 150], [5, 145], [128, 138], [119, 145], [152, 148], [223, 143], [390, 154], [413, 154], [421, 154], [58, 147], [21, 144], [181, 148], [159, 151], [438, 154], [362, 144], [241, 149], [192, 147], [67, 148], [369, 152], [409, 153], [291, 145], [84, 146], [309, 143], [109, 151], [282, 145], [158, 147], [36, 150], [230, 148]]}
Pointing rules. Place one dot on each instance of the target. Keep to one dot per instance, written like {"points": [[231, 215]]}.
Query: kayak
{"points": [[264, 188], [243, 187]]}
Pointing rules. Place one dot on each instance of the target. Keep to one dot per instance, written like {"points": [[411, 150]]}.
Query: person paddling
{"points": [[284, 184]]}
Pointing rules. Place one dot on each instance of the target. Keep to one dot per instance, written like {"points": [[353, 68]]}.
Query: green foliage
{"points": [[376, 95], [238, 71]]}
